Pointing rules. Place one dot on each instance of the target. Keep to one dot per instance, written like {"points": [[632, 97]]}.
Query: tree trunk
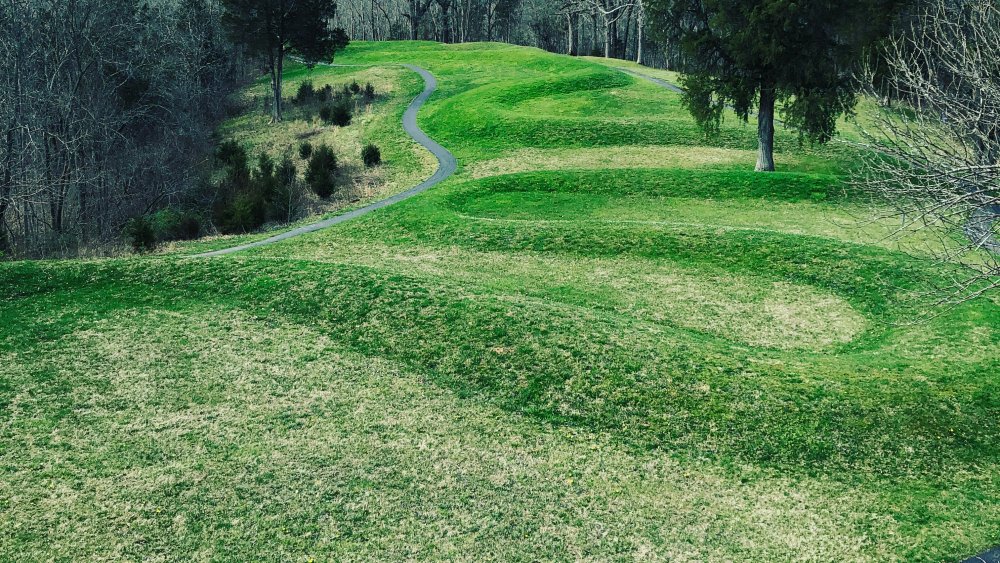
{"points": [[569, 33], [765, 130], [277, 67], [6, 189], [638, 37], [607, 41], [593, 33]]}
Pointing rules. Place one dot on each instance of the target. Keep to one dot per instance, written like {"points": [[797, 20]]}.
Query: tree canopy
{"points": [[800, 53], [271, 27]]}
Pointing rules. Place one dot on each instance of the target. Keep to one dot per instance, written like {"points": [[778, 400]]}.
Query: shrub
{"points": [[265, 167], [341, 116], [140, 234], [265, 183], [285, 174], [327, 93], [326, 114], [231, 154], [355, 87], [321, 174], [240, 199], [371, 155], [305, 150], [284, 200], [246, 212], [172, 224], [306, 93], [369, 91]]}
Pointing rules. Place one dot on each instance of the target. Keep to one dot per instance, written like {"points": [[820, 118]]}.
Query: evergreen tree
{"points": [[270, 28], [801, 53]]}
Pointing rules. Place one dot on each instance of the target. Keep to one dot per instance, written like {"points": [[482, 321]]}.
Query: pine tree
{"points": [[270, 28], [800, 53]]}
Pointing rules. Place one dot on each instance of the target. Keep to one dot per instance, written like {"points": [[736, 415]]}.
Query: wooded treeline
{"points": [[613, 28], [107, 109]]}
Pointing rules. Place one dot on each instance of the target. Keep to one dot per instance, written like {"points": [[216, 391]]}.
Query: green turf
{"points": [[647, 352]]}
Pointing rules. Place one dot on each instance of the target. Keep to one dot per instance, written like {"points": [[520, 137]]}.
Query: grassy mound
{"points": [[603, 339]]}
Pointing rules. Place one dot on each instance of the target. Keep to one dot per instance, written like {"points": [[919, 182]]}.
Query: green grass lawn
{"points": [[605, 338]]}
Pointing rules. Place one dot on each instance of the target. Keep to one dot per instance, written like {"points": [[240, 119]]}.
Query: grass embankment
{"points": [[603, 339]]}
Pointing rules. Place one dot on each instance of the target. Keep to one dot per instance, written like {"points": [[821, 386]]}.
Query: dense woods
{"points": [[106, 111]]}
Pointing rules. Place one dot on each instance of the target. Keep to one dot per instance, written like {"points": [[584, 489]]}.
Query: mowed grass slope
{"points": [[605, 338]]}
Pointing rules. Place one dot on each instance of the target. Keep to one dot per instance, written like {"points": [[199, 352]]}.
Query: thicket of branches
{"points": [[107, 108], [936, 149]]}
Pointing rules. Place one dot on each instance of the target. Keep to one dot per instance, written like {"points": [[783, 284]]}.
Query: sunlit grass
{"points": [[605, 338]]}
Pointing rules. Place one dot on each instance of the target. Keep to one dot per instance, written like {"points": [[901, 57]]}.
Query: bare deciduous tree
{"points": [[106, 112], [935, 155]]}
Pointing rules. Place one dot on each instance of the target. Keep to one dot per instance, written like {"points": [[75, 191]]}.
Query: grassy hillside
{"points": [[604, 338]]}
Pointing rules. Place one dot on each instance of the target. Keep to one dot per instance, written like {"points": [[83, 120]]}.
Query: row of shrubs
{"points": [[246, 198], [147, 231], [335, 107], [371, 156], [308, 93]]}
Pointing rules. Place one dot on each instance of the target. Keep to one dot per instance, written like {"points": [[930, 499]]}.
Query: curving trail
{"points": [[446, 167], [654, 80]]}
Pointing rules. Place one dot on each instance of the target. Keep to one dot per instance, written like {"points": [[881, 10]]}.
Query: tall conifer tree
{"points": [[798, 53], [271, 27]]}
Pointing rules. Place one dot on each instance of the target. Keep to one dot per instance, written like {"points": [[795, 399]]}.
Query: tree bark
{"points": [[638, 36], [277, 67], [607, 39], [569, 33], [765, 129], [6, 189]]}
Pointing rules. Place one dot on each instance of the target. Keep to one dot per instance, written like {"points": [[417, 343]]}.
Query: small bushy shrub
{"points": [[327, 93], [369, 91], [285, 199], [173, 224], [341, 116], [326, 113], [321, 173], [306, 93], [371, 155], [246, 212], [265, 167], [140, 234], [285, 174], [231, 154], [355, 87], [305, 150], [241, 197]]}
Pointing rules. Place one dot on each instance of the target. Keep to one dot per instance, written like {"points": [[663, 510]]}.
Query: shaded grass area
{"points": [[404, 163], [592, 361]]}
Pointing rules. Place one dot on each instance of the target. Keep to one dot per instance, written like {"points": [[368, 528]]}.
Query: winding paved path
{"points": [[657, 81], [446, 167]]}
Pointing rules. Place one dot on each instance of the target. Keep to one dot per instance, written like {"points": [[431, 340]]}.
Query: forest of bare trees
{"points": [[107, 109], [610, 28]]}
